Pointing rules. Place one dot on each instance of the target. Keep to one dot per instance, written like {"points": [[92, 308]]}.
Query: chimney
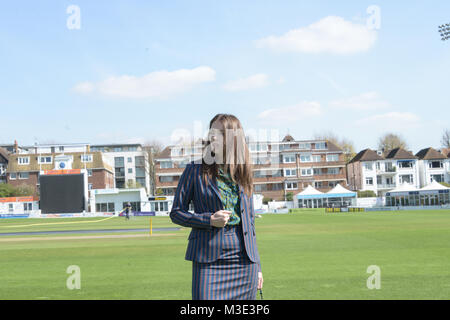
{"points": [[16, 147]]}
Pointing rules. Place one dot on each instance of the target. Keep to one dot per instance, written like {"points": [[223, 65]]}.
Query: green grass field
{"points": [[306, 255]]}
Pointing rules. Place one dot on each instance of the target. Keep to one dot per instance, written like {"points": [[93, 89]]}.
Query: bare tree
{"points": [[345, 144], [391, 141], [445, 140], [153, 148]]}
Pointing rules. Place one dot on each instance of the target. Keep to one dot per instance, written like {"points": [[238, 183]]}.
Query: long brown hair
{"points": [[236, 153]]}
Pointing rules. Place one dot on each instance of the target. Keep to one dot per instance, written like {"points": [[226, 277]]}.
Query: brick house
{"points": [[25, 168]]}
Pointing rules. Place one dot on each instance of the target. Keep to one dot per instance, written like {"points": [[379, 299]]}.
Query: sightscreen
{"points": [[62, 193]]}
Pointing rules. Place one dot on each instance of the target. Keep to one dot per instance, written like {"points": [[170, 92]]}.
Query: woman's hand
{"points": [[260, 280], [220, 218]]}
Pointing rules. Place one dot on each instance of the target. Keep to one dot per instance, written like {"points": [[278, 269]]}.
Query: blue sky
{"points": [[141, 70]]}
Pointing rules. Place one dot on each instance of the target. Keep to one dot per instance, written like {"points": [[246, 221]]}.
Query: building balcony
{"points": [[386, 186], [325, 177], [390, 172]]}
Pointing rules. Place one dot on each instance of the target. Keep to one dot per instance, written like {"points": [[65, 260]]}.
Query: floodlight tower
{"points": [[444, 31]]}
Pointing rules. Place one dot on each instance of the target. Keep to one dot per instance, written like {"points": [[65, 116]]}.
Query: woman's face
{"points": [[216, 137]]}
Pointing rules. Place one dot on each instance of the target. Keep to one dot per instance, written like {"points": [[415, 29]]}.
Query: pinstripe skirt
{"points": [[232, 277]]}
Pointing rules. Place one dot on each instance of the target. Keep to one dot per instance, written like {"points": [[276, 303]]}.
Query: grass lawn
{"points": [[306, 255]]}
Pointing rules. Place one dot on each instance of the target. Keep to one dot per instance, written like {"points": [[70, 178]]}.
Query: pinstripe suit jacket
{"points": [[205, 241]]}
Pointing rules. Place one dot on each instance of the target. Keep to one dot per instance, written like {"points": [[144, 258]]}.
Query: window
{"points": [[119, 162], [405, 164], [23, 160], [89, 172], [321, 145], [307, 172], [317, 171], [90, 186], [437, 177], [332, 184], [305, 158], [333, 170], [318, 184], [140, 172], [435, 164], [159, 206], [130, 170], [27, 206], [61, 149], [117, 149], [176, 152], [12, 176], [408, 178], [24, 175], [130, 159], [86, 158], [140, 161], [291, 185], [290, 172], [141, 182], [45, 159], [166, 164], [316, 158], [105, 207], [305, 146], [368, 166], [289, 158], [258, 147], [369, 181], [166, 179], [332, 157], [10, 207]]}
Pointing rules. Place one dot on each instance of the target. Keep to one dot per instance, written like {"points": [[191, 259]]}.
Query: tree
{"points": [[345, 144], [6, 190], [132, 184], [153, 148], [391, 141], [289, 196], [23, 190], [445, 140]]}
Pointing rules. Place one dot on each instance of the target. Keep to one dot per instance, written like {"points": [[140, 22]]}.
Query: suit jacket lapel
{"points": [[215, 188]]}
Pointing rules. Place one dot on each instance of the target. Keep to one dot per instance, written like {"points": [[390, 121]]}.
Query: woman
{"points": [[222, 243]]}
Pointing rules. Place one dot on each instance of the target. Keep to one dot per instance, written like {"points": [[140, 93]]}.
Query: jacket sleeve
{"points": [[183, 196], [254, 222]]}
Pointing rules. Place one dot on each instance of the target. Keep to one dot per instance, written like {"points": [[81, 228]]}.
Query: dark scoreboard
{"points": [[62, 193]]}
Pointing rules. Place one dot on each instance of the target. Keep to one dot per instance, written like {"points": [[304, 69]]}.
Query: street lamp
{"points": [[444, 31]]}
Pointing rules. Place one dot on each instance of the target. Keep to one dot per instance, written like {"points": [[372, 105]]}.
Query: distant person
{"points": [[127, 211], [222, 243]]}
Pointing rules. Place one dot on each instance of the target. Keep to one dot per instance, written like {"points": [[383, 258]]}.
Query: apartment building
{"points": [[434, 166], [25, 168], [279, 166], [130, 162], [380, 173], [3, 164]]}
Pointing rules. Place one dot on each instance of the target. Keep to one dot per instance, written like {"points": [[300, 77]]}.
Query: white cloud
{"points": [[294, 113], [391, 121], [255, 81], [365, 101], [331, 34], [159, 84]]}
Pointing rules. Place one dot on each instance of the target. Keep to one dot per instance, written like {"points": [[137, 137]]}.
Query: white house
{"points": [[434, 166]]}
